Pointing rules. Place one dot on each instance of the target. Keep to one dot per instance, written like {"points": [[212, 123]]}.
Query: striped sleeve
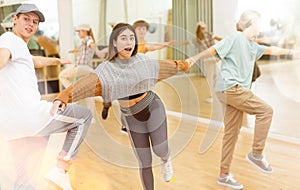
{"points": [[167, 68], [88, 86]]}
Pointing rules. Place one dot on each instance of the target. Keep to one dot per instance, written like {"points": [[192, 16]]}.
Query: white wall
{"points": [[224, 16], [87, 12]]}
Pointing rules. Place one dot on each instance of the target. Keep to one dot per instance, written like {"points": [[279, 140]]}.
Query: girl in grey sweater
{"points": [[130, 77]]}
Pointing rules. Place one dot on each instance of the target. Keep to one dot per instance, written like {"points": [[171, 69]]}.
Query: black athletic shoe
{"points": [[124, 130], [105, 112]]}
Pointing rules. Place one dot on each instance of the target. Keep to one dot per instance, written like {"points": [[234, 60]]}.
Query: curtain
{"points": [[204, 12], [185, 15]]}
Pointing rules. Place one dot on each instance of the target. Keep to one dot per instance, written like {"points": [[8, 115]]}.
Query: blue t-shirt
{"points": [[238, 55]]}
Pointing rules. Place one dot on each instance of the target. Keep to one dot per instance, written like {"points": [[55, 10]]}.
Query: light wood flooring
{"points": [[110, 164], [106, 161]]}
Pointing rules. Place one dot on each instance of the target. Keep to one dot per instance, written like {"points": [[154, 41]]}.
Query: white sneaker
{"points": [[261, 164], [167, 169], [59, 178], [229, 181]]}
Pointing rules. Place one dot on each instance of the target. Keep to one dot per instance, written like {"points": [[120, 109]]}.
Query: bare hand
{"points": [[184, 65], [57, 105], [169, 43], [73, 51], [64, 62]]}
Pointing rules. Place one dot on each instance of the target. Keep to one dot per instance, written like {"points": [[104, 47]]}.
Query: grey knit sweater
{"points": [[121, 78]]}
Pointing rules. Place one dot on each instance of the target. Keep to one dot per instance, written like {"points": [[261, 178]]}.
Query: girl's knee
{"points": [[145, 162], [161, 150]]}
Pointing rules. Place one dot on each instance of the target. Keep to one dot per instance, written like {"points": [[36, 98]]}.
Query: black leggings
{"points": [[149, 128]]}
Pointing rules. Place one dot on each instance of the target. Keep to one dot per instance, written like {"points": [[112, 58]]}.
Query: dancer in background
{"points": [[208, 68], [141, 28], [205, 39], [85, 53], [130, 78], [238, 53]]}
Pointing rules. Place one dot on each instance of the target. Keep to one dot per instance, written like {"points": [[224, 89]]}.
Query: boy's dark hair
{"points": [[141, 23]]}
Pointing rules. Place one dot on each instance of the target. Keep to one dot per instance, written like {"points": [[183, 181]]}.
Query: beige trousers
{"points": [[236, 101]]}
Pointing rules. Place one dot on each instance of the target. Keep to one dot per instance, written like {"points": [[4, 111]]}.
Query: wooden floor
{"points": [[106, 161], [110, 164]]}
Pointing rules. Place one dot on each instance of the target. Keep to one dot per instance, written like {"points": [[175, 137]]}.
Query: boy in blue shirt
{"points": [[238, 53]]}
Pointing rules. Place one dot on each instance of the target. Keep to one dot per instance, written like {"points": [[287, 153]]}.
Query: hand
{"points": [[57, 104], [184, 65], [169, 43], [64, 62], [73, 51]]}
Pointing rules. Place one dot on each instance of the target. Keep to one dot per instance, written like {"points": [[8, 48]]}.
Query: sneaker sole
{"points": [[49, 178], [230, 186], [168, 179], [259, 168], [164, 180], [51, 183]]}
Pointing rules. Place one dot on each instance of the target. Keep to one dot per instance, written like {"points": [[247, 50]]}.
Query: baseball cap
{"points": [[202, 24], [26, 8], [85, 27]]}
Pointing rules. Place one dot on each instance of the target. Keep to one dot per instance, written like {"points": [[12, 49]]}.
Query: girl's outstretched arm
{"points": [[87, 86], [169, 68]]}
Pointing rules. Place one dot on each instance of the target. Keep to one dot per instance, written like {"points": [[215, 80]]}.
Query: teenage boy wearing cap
{"points": [[22, 113]]}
